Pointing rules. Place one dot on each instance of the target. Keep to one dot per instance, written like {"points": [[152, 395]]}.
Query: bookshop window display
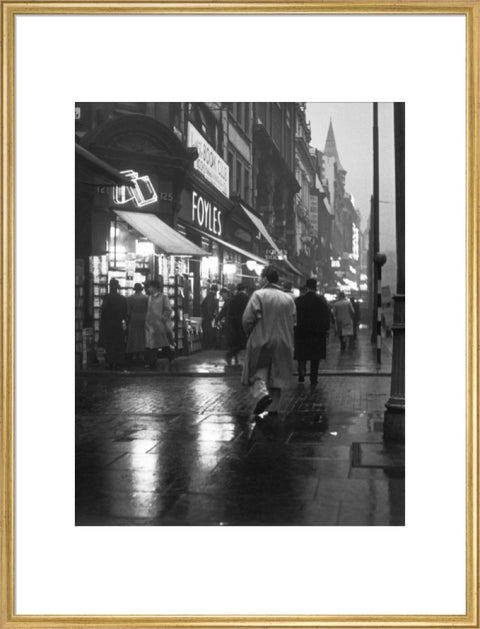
{"points": [[132, 258]]}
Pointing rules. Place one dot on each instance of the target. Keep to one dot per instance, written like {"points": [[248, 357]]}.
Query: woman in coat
{"points": [[268, 321], [157, 325], [313, 322]]}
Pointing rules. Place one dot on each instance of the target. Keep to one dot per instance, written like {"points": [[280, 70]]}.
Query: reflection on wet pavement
{"points": [[186, 451]]}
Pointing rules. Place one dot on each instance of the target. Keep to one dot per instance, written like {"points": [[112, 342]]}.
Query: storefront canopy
{"points": [[228, 245], [101, 167], [162, 235], [263, 230]]}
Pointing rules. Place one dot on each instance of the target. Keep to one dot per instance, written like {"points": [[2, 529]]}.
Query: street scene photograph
{"points": [[239, 314]]}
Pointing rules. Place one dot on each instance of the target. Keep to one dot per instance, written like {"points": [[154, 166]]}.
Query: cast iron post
{"points": [[394, 424]]}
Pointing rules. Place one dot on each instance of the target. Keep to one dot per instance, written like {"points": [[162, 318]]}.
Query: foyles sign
{"points": [[206, 215], [209, 163]]}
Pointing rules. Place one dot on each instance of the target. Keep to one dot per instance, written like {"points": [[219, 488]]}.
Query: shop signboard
{"points": [[148, 193], [209, 163], [202, 212], [206, 214], [314, 213]]}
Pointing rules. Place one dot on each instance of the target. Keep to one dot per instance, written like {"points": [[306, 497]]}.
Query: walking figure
{"points": [[157, 325], [112, 320], [344, 314], [234, 332], [311, 331], [268, 321], [209, 308], [137, 305]]}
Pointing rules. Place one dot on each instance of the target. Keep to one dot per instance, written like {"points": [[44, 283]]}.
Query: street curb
{"points": [[206, 374]]}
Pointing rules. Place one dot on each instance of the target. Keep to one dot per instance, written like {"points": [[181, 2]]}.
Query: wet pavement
{"points": [[185, 450], [359, 358]]}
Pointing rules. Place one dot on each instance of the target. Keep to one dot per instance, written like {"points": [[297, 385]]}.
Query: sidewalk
{"points": [[358, 360]]}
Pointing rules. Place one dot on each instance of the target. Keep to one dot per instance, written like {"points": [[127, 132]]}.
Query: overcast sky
{"points": [[353, 129]]}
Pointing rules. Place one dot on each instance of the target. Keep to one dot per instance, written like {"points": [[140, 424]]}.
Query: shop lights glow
{"points": [[259, 268], [144, 248], [209, 266], [229, 268], [251, 264]]}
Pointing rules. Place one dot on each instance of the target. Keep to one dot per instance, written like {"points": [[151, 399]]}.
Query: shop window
{"points": [[230, 171], [277, 125], [239, 177], [246, 185], [240, 114], [262, 113], [246, 117]]}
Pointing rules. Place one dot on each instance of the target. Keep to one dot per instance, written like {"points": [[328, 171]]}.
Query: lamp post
{"points": [[379, 260], [394, 419]]}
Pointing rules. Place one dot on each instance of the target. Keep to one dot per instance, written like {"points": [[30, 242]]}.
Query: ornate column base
{"points": [[394, 422]]}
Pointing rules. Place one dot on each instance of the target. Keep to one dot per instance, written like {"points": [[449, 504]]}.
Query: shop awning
{"points": [[101, 167], [165, 237], [264, 231], [228, 245]]}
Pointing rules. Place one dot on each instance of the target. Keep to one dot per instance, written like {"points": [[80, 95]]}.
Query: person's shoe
{"points": [[301, 379], [262, 404], [228, 360], [313, 383]]}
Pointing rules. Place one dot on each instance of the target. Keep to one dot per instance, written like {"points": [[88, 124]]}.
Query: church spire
{"points": [[331, 147]]}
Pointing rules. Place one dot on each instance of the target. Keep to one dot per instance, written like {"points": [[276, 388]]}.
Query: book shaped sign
{"points": [[141, 193]]}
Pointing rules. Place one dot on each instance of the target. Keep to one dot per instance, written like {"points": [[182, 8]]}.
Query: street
{"points": [[181, 448]]}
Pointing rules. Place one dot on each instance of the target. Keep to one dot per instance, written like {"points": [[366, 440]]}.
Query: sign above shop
{"points": [[276, 254], [209, 163], [141, 193], [206, 215]]}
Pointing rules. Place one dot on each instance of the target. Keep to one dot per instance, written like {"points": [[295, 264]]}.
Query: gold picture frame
{"points": [[468, 8]]}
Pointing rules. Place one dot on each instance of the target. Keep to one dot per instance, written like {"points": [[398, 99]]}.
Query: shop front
{"points": [[207, 218], [124, 224]]}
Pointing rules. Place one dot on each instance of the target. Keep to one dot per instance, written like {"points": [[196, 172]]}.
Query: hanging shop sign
{"points": [[206, 215], [147, 191], [141, 192], [209, 163]]}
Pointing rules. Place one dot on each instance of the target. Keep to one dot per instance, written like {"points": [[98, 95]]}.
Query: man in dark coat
{"points": [[313, 321], [209, 309], [112, 320], [236, 337]]}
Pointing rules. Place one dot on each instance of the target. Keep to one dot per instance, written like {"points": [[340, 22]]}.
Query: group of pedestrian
{"points": [[133, 329], [281, 329]]}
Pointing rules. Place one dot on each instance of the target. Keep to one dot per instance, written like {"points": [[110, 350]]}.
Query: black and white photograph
{"points": [[239, 314]]}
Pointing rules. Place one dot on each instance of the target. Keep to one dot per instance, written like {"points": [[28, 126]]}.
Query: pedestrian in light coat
{"points": [[137, 305], [157, 325], [112, 320], [268, 321], [344, 315], [313, 322]]}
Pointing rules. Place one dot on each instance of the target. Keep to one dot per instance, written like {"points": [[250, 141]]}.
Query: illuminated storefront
{"points": [[125, 198]]}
